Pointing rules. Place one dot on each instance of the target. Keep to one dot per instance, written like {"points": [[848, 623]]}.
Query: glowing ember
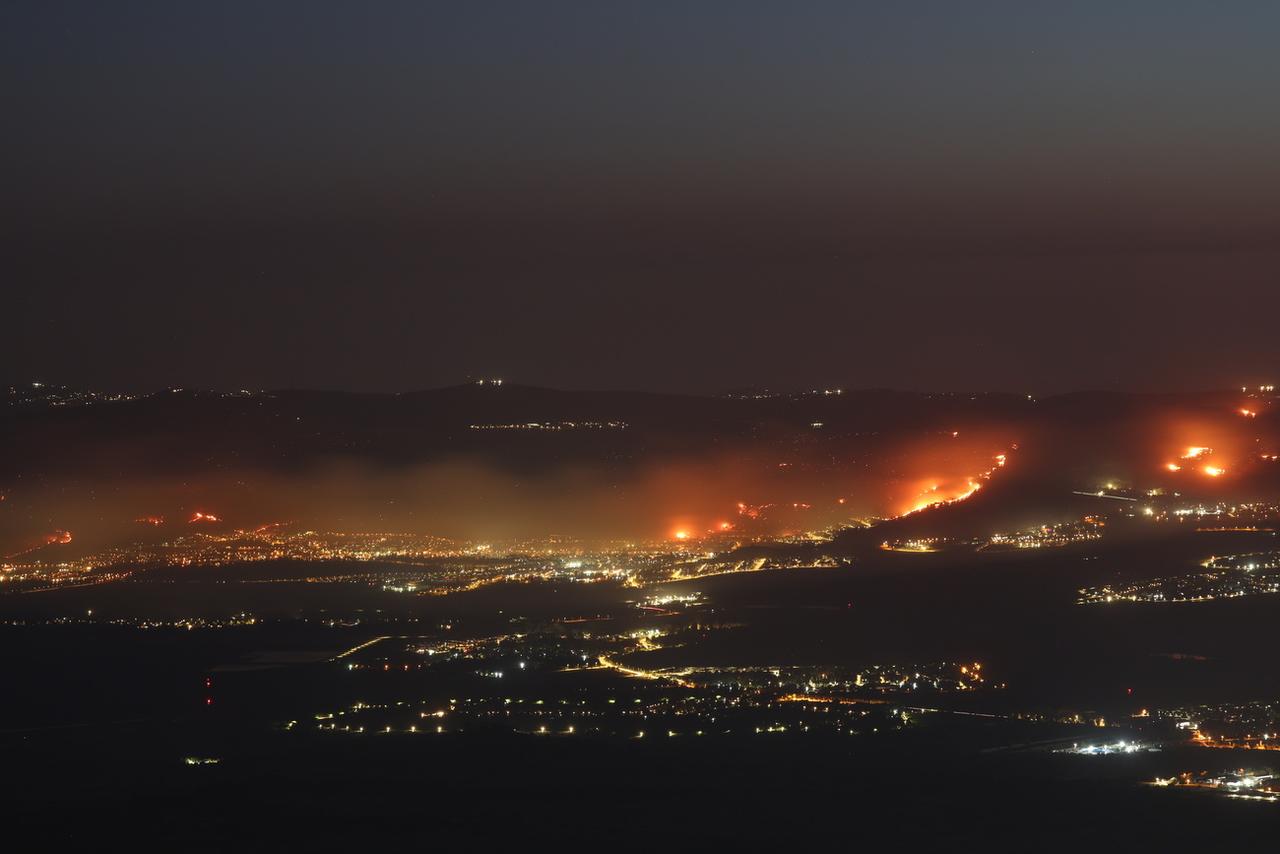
{"points": [[150, 520], [1195, 452], [58, 538], [1173, 467], [681, 535], [1213, 471], [202, 517]]}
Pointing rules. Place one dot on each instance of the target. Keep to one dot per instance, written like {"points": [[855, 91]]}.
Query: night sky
{"points": [[686, 196]]}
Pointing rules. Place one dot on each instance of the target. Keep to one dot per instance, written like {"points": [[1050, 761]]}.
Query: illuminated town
{"points": [[1058, 535], [1253, 784], [1226, 577], [409, 563]]}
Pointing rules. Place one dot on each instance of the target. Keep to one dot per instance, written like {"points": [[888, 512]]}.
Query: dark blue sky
{"points": [[688, 196]]}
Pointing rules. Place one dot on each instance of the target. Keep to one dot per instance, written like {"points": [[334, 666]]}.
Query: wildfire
{"points": [[681, 535], [150, 520], [931, 499], [57, 538], [934, 495], [199, 516], [1208, 461]]}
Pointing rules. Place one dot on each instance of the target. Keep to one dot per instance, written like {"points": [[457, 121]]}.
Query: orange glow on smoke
{"points": [[681, 535], [935, 493], [1211, 446], [57, 538], [1173, 467]]}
